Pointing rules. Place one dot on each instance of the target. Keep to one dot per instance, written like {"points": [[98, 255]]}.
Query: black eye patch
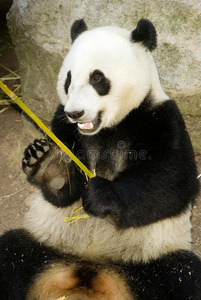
{"points": [[67, 82], [99, 82]]}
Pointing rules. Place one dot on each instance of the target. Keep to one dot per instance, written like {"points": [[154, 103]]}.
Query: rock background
{"points": [[40, 32]]}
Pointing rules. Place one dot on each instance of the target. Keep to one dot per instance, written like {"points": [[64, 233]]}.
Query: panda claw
{"points": [[38, 144], [24, 162], [32, 161], [46, 148], [29, 152], [26, 168], [39, 154]]}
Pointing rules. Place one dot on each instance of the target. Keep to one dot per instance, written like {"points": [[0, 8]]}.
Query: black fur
{"points": [[160, 178], [21, 257], [176, 276], [77, 28], [145, 33], [100, 83]]}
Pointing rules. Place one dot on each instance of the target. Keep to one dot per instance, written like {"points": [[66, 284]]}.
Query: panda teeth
{"points": [[86, 125], [90, 126]]}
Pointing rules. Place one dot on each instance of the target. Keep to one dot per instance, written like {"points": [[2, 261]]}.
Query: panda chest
{"points": [[107, 161]]}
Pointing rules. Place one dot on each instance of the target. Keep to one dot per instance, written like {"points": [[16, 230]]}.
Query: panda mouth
{"points": [[90, 126]]}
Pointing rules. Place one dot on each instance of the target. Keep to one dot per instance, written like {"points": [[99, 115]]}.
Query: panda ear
{"points": [[77, 28], [145, 32]]}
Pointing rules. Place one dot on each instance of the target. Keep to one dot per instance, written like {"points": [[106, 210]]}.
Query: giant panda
{"points": [[136, 241]]}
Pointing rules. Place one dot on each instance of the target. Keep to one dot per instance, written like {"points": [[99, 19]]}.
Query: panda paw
{"points": [[96, 198], [34, 154]]}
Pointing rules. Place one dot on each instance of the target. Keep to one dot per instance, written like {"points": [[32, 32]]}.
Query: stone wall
{"points": [[40, 32]]}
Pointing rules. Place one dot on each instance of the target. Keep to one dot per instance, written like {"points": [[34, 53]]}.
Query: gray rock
{"points": [[40, 31]]}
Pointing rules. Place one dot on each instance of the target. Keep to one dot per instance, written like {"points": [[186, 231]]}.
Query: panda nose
{"points": [[75, 114]]}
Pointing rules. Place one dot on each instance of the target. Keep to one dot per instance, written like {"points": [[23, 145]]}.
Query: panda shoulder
{"points": [[167, 112]]}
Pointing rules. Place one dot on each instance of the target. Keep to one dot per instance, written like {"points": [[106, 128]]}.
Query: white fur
{"points": [[95, 238], [129, 66]]}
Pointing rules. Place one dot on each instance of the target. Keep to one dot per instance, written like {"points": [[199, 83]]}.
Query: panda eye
{"points": [[67, 82], [99, 82], [97, 78]]}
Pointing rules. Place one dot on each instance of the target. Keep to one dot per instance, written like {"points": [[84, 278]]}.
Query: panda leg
{"points": [[176, 276], [21, 258]]}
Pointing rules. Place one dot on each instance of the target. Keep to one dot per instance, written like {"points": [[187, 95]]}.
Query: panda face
{"points": [[104, 76]]}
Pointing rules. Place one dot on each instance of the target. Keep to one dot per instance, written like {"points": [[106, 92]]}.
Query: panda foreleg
{"points": [[139, 198], [176, 276], [46, 166]]}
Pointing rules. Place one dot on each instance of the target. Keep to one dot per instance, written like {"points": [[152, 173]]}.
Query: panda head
{"points": [[107, 73]]}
